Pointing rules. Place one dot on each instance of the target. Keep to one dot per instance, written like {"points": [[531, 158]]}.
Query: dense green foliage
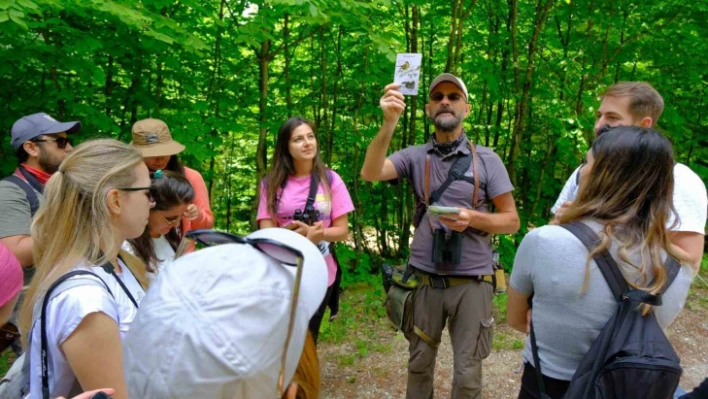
{"points": [[224, 74]]}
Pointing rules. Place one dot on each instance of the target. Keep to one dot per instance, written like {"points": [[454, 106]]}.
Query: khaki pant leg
{"points": [[429, 316], [470, 310]]}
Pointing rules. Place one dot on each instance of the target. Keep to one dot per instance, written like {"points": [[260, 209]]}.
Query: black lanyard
{"points": [[108, 268]]}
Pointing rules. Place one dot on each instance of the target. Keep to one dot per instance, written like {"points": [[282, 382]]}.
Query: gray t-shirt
{"points": [[551, 263], [476, 244], [15, 215]]}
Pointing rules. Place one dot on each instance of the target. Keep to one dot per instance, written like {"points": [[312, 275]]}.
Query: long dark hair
{"points": [[169, 190], [630, 191], [282, 166], [175, 165]]}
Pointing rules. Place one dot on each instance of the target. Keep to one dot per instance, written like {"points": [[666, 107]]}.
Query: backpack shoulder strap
{"points": [[61, 285], [612, 273], [312, 195], [475, 194], [457, 171], [605, 262], [672, 270], [29, 192]]}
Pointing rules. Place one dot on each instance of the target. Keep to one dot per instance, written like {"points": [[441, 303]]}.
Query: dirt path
{"points": [[372, 363]]}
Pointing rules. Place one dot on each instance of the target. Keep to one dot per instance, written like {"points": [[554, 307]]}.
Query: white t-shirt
{"points": [[690, 199], [66, 311], [163, 250]]}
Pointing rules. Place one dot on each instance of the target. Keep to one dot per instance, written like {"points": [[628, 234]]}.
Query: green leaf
{"points": [[28, 4], [160, 36], [16, 17], [4, 17], [5, 4], [313, 10]]}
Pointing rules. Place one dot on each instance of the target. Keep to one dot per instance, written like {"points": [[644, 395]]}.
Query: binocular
{"points": [[447, 247], [310, 216]]}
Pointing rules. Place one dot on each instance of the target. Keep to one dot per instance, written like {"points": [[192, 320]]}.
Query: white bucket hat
{"points": [[214, 323]]}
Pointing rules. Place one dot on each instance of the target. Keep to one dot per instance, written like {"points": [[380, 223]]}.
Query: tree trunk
{"points": [[286, 71], [324, 102], [523, 104], [261, 156], [449, 65]]}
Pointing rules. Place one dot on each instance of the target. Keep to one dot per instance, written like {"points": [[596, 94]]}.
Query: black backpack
{"points": [[631, 358]]}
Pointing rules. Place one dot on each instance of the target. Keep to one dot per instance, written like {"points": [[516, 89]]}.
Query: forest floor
{"points": [[364, 358]]}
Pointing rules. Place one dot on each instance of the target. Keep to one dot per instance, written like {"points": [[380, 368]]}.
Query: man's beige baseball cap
{"points": [[448, 77]]}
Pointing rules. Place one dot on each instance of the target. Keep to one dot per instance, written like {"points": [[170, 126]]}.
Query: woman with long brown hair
{"points": [[626, 198], [157, 246], [301, 194]]}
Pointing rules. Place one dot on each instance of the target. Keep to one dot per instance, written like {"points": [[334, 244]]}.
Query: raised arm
{"points": [[376, 166]]}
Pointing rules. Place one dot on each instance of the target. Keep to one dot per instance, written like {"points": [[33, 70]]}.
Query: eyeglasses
{"points": [[453, 97], [282, 253], [147, 191], [172, 220], [61, 141]]}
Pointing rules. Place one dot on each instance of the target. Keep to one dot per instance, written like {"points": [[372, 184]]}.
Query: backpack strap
{"points": [[52, 292], [607, 265], [29, 192], [537, 365], [612, 273], [457, 172], [312, 194], [475, 194]]}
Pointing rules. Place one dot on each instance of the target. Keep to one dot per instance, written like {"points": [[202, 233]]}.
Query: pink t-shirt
{"points": [[294, 197]]}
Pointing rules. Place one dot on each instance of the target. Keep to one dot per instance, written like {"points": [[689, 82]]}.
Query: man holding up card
{"points": [[451, 251]]}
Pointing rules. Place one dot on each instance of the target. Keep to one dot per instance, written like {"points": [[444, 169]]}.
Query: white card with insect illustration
{"points": [[407, 72]]}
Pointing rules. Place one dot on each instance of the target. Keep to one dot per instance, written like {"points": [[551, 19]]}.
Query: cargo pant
{"points": [[467, 309]]}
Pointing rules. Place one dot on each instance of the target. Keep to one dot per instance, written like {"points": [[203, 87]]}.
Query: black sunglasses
{"points": [[61, 141], [453, 97], [282, 253]]}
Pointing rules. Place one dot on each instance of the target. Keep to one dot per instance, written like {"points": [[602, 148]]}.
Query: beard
{"points": [[48, 163], [447, 121]]}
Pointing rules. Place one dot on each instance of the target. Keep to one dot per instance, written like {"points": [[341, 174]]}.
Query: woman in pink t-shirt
{"points": [[284, 195]]}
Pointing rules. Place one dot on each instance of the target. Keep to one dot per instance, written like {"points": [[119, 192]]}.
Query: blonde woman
{"points": [[99, 198]]}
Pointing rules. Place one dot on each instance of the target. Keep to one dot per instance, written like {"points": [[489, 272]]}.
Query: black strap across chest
{"points": [[312, 194], [457, 171]]}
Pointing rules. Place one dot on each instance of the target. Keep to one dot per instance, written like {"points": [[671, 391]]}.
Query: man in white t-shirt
{"points": [[639, 104]]}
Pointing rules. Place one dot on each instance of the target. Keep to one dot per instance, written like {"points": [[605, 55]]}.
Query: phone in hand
{"points": [[100, 395]]}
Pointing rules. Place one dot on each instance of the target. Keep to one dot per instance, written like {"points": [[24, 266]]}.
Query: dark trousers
{"points": [[529, 385], [316, 320]]}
